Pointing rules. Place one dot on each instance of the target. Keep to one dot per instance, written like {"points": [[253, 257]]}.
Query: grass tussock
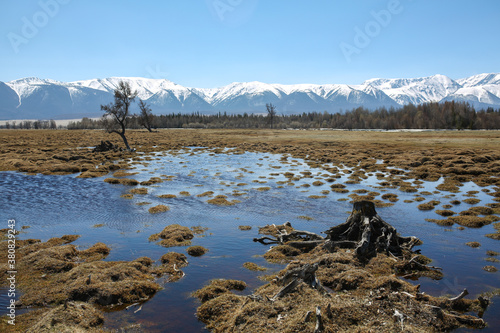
{"points": [[217, 288], [205, 194], [196, 251], [254, 267], [173, 235], [245, 227], [167, 196], [221, 200], [158, 209], [140, 190]]}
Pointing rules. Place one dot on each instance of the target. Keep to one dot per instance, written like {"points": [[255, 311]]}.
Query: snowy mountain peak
{"points": [[42, 98], [481, 80]]}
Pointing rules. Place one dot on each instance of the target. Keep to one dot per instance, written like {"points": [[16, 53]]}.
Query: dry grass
{"points": [[66, 283], [196, 251], [205, 194], [254, 267], [173, 235], [167, 196], [140, 190], [38, 150], [221, 200], [217, 288], [129, 182], [363, 300], [158, 209]]}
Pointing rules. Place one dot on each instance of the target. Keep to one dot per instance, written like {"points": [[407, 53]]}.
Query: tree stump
{"points": [[363, 231], [368, 234]]}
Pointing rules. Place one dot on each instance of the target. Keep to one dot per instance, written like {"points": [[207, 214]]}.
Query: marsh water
{"points": [[59, 205]]}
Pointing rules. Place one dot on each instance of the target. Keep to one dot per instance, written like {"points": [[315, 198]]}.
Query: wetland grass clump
{"points": [[473, 244], [244, 227], [317, 196], [221, 200], [491, 259], [443, 223], [445, 212], [127, 196], [140, 190], [390, 197], [472, 201], [205, 194], [254, 267], [217, 288], [112, 180], [263, 189], [129, 182], [478, 210], [152, 181], [472, 221], [158, 209], [491, 269], [382, 204], [281, 253], [167, 196], [173, 235], [121, 173], [426, 206], [196, 251]]}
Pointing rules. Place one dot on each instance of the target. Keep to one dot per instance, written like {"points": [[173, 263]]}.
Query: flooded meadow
{"points": [[224, 194]]}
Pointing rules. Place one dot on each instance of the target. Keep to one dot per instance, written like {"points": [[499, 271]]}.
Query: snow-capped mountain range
{"points": [[34, 98]]}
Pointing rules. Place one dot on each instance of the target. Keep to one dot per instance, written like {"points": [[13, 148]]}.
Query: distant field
{"points": [[35, 150]]}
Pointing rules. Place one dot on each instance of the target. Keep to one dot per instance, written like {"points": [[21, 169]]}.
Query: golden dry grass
{"points": [[196, 251], [173, 235], [158, 209]]}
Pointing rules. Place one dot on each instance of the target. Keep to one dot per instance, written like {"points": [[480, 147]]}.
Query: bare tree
{"points": [[116, 114], [271, 113], [145, 117]]}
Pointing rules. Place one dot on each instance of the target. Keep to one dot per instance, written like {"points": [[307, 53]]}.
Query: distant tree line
{"points": [[30, 124], [447, 115]]}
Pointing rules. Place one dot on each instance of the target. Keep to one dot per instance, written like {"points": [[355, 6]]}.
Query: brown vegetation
{"points": [[158, 209], [72, 285], [196, 251], [173, 235]]}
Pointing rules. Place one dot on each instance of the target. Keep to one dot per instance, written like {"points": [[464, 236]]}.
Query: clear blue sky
{"points": [[211, 43]]}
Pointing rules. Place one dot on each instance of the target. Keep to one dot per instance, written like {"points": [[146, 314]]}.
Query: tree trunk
{"points": [[124, 138], [370, 233]]}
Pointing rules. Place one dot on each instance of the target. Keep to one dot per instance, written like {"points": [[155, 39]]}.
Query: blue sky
{"points": [[211, 43]]}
